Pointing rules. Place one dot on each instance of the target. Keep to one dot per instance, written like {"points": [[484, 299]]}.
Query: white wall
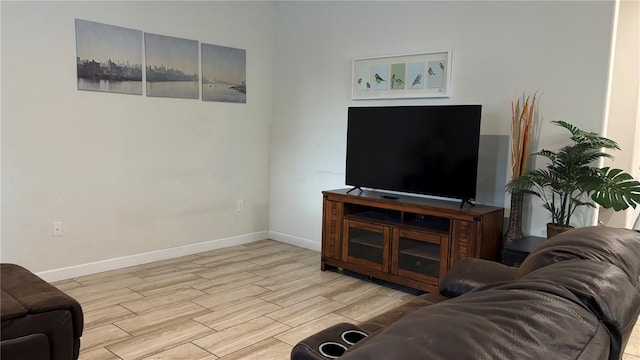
{"points": [[126, 174], [131, 175], [500, 50]]}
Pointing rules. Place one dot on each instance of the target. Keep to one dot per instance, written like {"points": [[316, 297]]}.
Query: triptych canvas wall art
{"points": [[110, 59]]}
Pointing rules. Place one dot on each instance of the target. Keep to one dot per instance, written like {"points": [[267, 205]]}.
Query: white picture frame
{"points": [[420, 75]]}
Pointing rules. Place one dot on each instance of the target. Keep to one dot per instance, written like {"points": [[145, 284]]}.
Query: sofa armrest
{"points": [[34, 346], [56, 326], [25, 293], [470, 273], [389, 317]]}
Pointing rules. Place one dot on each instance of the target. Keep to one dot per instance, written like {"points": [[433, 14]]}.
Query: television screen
{"points": [[430, 150]]}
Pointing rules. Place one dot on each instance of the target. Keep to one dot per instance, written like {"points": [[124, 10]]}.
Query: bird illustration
{"points": [[393, 80], [379, 79], [399, 82], [359, 81], [417, 80], [431, 72], [441, 66], [368, 86]]}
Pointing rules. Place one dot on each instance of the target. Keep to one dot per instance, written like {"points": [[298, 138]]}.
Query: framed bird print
{"points": [[420, 75]]}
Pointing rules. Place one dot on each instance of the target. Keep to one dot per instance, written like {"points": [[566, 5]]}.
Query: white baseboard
{"points": [[138, 259], [294, 240]]}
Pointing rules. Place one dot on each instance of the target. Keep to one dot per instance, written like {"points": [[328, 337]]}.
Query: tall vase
{"points": [[514, 229]]}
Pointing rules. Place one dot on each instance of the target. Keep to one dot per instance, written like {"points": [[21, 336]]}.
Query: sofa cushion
{"points": [[601, 288], [10, 307], [470, 273], [604, 264], [527, 319], [619, 247]]}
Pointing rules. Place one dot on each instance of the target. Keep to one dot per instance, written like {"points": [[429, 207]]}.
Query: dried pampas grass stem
{"points": [[521, 126]]}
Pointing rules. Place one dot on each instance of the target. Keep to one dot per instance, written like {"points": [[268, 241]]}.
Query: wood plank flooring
{"points": [[253, 301]]}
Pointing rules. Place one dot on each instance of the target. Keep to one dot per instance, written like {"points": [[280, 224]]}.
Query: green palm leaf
{"points": [[590, 138], [613, 188]]}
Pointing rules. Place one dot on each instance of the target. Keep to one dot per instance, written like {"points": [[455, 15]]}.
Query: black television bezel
{"points": [[464, 197]]}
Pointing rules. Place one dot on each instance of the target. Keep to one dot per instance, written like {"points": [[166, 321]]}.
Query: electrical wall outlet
{"points": [[56, 230], [239, 205]]}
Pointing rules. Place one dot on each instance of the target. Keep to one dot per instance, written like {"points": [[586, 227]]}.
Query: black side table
{"points": [[515, 253]]}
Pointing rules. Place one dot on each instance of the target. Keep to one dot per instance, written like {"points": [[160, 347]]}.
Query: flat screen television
{"points": [[431, 150]]}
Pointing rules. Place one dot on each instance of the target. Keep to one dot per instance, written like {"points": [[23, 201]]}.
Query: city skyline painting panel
{"points": [[108, 58], [224, 74], [171, 67]]}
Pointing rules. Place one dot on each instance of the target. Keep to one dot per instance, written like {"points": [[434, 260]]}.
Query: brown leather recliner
{"points": [[577, 296], [39, 322]]}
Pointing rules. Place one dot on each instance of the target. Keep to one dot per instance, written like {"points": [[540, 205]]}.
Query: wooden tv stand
{"points": [[410, 240]]}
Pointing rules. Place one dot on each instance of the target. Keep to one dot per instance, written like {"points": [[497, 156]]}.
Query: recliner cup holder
{"points": [[330, 343], [353, 336], [331, 349]]}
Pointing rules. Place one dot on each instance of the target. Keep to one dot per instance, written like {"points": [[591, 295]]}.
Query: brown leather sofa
{"points": [[577, 296], [39, 322]]}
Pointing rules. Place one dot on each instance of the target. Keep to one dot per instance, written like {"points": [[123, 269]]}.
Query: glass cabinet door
{"points": [[366, 244], [419, 255]]}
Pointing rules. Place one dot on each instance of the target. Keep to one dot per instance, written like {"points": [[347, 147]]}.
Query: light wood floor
{"points": [[250, 301]]}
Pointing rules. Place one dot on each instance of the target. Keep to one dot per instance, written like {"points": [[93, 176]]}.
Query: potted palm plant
{"points": [[572, 179]]}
